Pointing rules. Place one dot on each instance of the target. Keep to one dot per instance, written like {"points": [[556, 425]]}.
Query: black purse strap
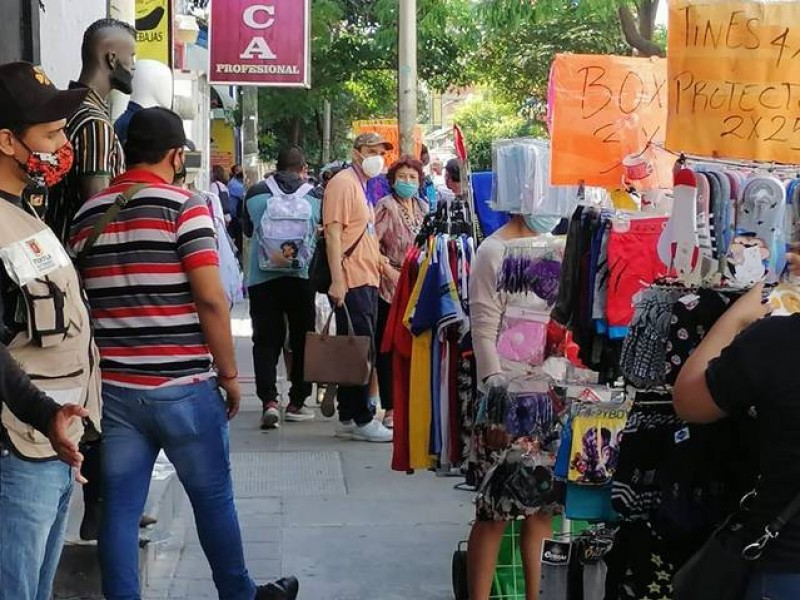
{"points": [[771, 531], [352, 248]]}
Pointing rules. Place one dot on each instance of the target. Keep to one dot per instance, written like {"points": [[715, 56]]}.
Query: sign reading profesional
{"points": [[260, 42], [734, 89], [604, 108]]}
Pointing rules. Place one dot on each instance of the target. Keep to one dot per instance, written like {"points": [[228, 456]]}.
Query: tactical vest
{"points": [[57, 349]]}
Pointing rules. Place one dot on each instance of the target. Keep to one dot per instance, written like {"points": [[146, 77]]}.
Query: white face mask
{"points": [[372, 166]]}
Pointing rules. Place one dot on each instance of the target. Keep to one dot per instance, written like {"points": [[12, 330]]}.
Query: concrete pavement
{"points": [[327, 510]]}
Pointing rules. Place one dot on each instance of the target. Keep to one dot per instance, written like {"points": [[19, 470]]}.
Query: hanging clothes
{"points": [[430, 327]]}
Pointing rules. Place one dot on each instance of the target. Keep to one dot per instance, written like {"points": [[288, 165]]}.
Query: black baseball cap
{"points": [[157, 128], [28, 97]]}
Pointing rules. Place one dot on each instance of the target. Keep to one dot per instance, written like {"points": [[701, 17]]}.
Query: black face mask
{"points": [[121, 79], [180, 174]]}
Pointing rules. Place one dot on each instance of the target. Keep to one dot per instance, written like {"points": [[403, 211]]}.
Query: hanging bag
{"points": [[721, 569], [319, 271], [338, 359]]}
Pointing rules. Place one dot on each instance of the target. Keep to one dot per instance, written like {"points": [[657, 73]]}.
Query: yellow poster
{"points": [[733, 71], [154, 30]]}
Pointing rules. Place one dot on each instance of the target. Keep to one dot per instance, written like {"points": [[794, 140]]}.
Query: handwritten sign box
{"points": [[260, 42], [601, 103], [734, 79]]}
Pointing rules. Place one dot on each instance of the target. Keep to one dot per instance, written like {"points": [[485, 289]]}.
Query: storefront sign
{"points": [[604, 108], [260, 42], [154, 30], [733, 79]]}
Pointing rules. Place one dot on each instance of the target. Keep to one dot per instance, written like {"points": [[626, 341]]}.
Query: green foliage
{"points": [[354, 63], [516, 59], [635, 18], [486, 119]]}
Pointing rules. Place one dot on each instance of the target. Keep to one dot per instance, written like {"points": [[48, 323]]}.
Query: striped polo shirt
{"points": [[146, 323]]}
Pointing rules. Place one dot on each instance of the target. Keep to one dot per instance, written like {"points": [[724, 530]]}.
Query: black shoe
{"points": [[90, 526], [283, 589]]}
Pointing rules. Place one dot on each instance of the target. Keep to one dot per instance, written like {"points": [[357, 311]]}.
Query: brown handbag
{"points": [[338, 359]]}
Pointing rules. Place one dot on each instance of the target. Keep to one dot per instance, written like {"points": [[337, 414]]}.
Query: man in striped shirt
{"points": [[163, 327]]}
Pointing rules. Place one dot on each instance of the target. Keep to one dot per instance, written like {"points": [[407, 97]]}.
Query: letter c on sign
{"points": [[249, 16]]}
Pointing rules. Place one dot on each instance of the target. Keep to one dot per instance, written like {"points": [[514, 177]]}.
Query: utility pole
{"points": [[407, 75], [326, 133], [250, 133]]}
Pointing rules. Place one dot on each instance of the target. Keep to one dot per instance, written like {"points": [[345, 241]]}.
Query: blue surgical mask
{"points": [[541, 223], [405, 190]]}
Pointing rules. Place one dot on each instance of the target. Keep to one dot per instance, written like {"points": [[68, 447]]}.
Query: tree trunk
{"points": [[634, 36], [320, 133], [647, 18], [297, 128]]}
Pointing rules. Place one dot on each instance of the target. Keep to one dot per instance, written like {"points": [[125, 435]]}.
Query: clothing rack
{"points": [[770, 167], [452, 217]]}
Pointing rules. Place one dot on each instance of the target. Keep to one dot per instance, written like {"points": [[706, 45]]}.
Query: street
{"points": [[330, 511]]}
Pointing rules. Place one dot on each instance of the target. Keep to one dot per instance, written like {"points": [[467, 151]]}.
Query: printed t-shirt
{"points": [[146, 323], [345, 203]]}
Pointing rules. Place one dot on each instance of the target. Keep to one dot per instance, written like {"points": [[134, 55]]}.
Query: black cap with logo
{"points": [[28, 97], [157, 129]]}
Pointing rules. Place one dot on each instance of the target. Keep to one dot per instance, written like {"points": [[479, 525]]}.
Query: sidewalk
{"points": [[329, 511]]}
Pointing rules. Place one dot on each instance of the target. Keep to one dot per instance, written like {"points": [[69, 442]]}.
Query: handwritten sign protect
{"points": [[733, 70], [605, 107]]}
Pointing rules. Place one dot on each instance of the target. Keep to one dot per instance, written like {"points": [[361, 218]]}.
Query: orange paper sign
{"points": [[605, 108], [733, 79]]}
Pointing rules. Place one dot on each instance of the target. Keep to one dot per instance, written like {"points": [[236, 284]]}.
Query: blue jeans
{"points": [[34, 500], [189, 422], [773, 586]]}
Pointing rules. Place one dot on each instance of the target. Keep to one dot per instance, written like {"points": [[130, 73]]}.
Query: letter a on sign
{"points": [[258, 48], [260, 42]]}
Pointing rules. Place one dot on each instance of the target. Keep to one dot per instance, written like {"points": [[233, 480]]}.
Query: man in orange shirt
{"points": [[355, 264]]}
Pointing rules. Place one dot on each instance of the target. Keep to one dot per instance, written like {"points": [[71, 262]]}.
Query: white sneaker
{"points": [[373, 431], [345, 430], [304, 414], [270, 418]]}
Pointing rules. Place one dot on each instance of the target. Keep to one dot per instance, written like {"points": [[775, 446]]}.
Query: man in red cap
{"points": [[49, 376]]}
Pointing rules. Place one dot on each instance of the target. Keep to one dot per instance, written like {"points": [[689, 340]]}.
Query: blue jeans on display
{"points": [[773, 586], [34, 500], [190, 423]]}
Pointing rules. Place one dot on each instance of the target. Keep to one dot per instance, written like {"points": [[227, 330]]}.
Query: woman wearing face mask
{"points": [[398, 219], [496, 506]]}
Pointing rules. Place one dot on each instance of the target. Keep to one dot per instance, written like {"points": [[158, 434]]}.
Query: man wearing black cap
{"points": [[49, 378], [148, 255]]}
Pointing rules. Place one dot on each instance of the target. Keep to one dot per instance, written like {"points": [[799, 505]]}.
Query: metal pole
{"points": [[250, 133], [326, 133], [407, 75]]}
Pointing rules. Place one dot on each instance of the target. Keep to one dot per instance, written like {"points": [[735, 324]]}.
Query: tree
{"points": [[486, 119], [515, 59], [354, 50], [636, 18]]}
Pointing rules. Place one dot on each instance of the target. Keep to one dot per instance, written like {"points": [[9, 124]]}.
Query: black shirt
{"points": [[17, 392], [761, 369]]}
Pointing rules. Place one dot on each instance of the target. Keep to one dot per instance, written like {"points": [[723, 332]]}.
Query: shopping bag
{"points": [[338, 359]]}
